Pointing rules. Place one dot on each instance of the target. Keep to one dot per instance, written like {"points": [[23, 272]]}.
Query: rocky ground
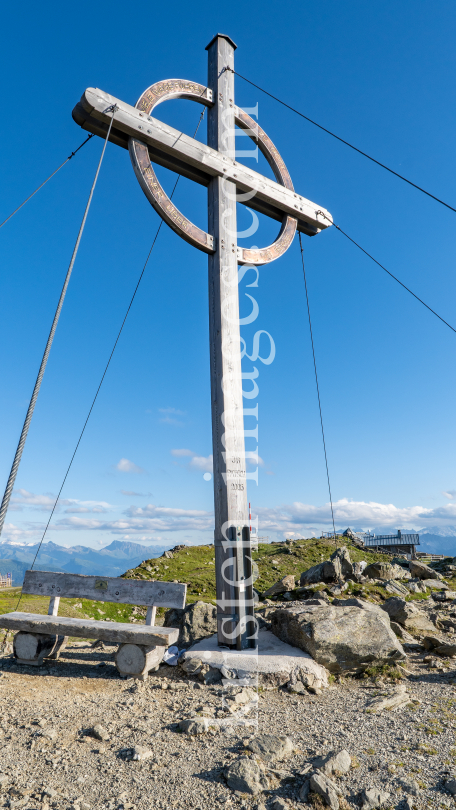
{"points": [[71, 731]]}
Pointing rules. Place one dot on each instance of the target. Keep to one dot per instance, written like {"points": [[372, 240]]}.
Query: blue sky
{"points": [[380, 75]]}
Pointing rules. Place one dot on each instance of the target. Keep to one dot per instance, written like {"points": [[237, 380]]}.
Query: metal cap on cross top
{"points": [[150, 141]]}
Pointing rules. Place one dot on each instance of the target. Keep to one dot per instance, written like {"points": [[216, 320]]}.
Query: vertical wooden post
{"points": [[53, 609], [230, 487]]}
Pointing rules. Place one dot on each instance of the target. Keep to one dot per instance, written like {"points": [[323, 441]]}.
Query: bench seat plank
{"points": [[105, 589], [116, 632]]}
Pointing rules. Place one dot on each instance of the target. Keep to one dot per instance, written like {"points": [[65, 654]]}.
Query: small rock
{"points": [[99, 732], [394, 700], [282, 586], [271, 748], [446, 650], [246, 776], [326, 788], [401, 633], [337, 763], [409, 786], [193, 726], [450, 785], [50, 793], [49, 734], [373, 798], [192, 666], [279, 804], [140, 752]]}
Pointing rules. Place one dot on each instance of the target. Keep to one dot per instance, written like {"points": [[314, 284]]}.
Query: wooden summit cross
{"points": [[149, 140]]}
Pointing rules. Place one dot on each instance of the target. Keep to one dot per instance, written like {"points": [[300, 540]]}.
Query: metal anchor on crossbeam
{"points": [[150, 141]]}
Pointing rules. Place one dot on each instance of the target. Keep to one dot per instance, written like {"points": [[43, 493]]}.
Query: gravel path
{"points": [[49, 760]]}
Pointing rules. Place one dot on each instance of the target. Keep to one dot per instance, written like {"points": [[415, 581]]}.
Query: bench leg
{"points": [[136, 660], [32, 648], [60, 644]]}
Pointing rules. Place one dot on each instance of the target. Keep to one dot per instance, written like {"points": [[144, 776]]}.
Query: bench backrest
{"points": [[105, 589]]}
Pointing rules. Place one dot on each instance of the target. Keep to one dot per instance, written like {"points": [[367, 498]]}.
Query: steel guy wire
{"points": [[32, 403], [105, 370], [44, 183], [318, 387], [391, 275], [342, 140]]}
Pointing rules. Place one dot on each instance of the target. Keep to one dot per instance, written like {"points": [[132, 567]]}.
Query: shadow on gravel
{"points": [[60, 669], [75, 655], [212, 775]]}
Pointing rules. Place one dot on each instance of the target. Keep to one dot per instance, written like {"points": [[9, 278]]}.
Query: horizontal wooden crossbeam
{"points": [[170, 148]]}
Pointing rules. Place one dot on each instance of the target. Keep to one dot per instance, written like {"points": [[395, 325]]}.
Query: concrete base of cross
{"points": [[273, 664]]}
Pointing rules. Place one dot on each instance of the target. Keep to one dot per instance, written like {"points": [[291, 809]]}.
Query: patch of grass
{"points": [[427, 749], [383, 671]]}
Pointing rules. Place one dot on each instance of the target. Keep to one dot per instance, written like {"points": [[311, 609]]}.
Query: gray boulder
{"points": [[284, 585], [334, 763], [446, 650], [422, 571], [384, 570], [363, 604], [336, 568], [406, 614], [342, 556], [193, 726], [342, 638], [271, 748], [326, 571], [373, 798], [326, 788], [247, 776], [401, 633], [435, 584], [195, 622], [396, 588]]}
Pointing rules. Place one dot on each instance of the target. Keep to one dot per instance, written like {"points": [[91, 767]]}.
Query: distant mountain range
{"points": [[112, 561]]}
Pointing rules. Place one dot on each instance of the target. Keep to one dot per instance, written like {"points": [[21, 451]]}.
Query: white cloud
{"points": [[203, 463], [297, 516], [22, 497], [169, 417], [180, 453], [450, 494], [255, 460], [131, 494], [124, 465]]}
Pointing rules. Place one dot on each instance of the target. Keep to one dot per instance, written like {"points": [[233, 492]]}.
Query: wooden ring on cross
{"points": [[141, 160]]}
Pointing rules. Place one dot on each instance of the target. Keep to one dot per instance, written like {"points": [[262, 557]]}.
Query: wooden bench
{"points": [[141, 646]]}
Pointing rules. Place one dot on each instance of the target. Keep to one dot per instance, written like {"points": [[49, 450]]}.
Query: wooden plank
{"points": [[105, 589], [172, 162], [204, 158], [117, 632]]}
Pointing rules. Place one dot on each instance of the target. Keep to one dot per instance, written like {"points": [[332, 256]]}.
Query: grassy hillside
{"points": [[195, 565]]}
